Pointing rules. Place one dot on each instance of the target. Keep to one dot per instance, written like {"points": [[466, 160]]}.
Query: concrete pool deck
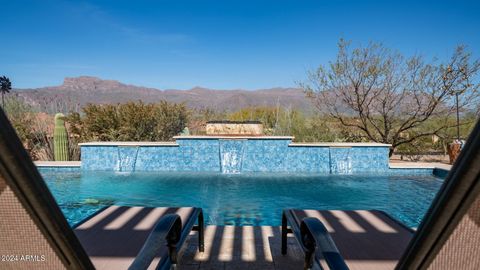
{"points": [[366, 239], [246, 247], [418, 165], [254, 247]]}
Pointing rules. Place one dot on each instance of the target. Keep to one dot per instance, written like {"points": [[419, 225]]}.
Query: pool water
{"points": [[243, 199]]}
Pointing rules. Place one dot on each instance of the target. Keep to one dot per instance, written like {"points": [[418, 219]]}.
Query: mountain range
{"points": [[79, 91]]}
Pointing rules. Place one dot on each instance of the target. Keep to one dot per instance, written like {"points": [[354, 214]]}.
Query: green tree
{"points": [[5, 87]]}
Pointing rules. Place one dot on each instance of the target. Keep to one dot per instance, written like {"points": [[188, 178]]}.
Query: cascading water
{"points": [[127, 157], [341, 162], [231, 155]]}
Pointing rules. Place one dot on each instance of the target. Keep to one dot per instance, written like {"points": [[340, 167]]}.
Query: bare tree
{"points": [[390, 98]]}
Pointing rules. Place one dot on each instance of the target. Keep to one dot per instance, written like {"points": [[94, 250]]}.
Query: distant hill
{"points": [[78, 91]]}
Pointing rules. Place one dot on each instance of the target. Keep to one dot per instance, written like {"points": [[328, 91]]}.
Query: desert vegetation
{"points": [[137, 121], [365, 94], [394, 99], [132, 121]]}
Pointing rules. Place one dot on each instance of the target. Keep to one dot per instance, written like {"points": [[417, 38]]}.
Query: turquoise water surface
{"points": [[243, 199]]}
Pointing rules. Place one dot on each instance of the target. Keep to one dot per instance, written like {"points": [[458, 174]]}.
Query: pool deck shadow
{"points": [[366, 239], [241, 247]]}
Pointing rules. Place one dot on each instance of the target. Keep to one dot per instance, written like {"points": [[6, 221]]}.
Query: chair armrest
{"points": [[167, 232], [315, 238]]}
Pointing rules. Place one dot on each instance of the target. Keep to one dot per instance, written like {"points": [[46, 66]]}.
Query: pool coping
{"points": [[129, 144], [233, 137], [58, 163], [419, 165], [293, 144], [392, 165], [339, 144]]}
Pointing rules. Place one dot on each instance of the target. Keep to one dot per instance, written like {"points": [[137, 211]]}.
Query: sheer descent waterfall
{"points": [[127, 157], [231, 155], [340, 161]]}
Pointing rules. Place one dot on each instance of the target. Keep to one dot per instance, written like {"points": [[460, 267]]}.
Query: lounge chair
{"points": [[114, 236], [447, 238], [35, 235], [364, 239]]}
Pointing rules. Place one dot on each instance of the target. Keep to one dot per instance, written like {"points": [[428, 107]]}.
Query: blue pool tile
{"points": [[258, 155]]}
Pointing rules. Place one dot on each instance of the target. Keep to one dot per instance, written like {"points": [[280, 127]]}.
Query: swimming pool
{"points": [[243, 199]]}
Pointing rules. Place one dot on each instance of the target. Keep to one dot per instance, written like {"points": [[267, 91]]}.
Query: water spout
{"points": [[127, 158], [341, 162], [231, 155]]}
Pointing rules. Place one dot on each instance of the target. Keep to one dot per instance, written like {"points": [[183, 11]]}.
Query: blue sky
{"points": [[215, 44]]}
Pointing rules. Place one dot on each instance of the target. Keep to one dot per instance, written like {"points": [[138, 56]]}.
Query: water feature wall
{"points": [[236, 155]]}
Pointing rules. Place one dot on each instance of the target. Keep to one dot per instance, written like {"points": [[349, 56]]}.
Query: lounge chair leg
{"points": [[284, 234], [308, 260], [201, 229], [172, 251]]}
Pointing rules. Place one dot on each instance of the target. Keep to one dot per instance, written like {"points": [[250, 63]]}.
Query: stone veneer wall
{"points": [[276, 154]]}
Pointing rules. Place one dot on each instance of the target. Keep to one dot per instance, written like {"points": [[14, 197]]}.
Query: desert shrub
{"points": [[315, 129], [269, 116], [290, 122], [200, 116], [133, 121], [20, 115], [415, 149], [42, 139], [31, 127]]}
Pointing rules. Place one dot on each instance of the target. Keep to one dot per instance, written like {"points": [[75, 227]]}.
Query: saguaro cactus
{"points": [[60, 140]]}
